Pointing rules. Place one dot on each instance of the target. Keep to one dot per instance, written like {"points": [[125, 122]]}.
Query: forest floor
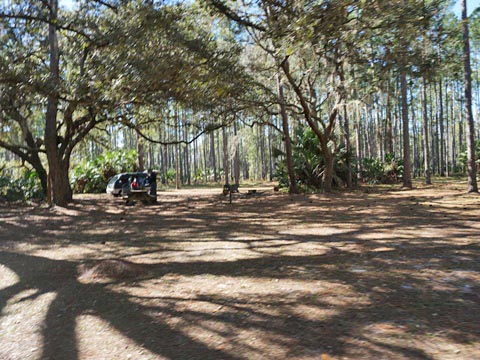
{"points": [[377, 273]]}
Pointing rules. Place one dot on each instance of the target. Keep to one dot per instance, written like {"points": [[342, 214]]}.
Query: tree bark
{"points": [[140, 153], [472, 173], [328, 173], [442, 130], [358, 142], [426, 152], [407, 173], [226, 169], [236, 159], [389, 130], [213, 160], [61, 192], [292, 182]]}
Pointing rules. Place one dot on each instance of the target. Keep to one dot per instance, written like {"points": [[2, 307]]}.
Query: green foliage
{"points": [[198, 175], [25, 187], [309, 163], [91, 176], [170, 175], [375, 171]]}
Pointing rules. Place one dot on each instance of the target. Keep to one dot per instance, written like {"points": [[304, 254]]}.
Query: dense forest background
{"points": [[313, 94]]}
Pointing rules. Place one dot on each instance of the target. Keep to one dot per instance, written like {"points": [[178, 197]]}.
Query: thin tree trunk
{"points": [[426, 153], [407, 174], [177, 154], [213, 160], [270, 155], [472, 173], [348, 146], [226, 169], [415, 144], [442, 130], [358, 143], [263, 153], [454, 124], [204, 148], [389, 131], [236, 160], [140, 154], [447, 133], [187, 159]]}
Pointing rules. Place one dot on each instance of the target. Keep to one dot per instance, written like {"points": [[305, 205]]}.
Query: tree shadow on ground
{"points": [[393, 284]]}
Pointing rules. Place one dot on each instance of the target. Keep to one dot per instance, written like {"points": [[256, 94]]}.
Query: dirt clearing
{"points": [[372, 274]]}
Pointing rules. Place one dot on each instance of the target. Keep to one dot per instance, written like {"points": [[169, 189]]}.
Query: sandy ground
{"points": [[377, 273]]}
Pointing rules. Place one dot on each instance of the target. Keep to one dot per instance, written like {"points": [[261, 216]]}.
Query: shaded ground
{"points": [[377, 274]]}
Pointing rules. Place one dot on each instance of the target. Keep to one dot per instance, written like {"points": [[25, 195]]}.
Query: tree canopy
{"points": [[176, 72]]}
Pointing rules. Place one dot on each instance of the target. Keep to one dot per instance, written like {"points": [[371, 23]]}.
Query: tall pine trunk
{"points": [[236, 158], [472, 173], [226, 168], [442, 130], [426, 152], [407, 174]]}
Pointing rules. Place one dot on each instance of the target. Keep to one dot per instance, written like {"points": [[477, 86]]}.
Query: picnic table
{"points": [[142, 195]]}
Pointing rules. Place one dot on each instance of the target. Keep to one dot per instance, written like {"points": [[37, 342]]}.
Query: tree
{"points": [[472, 174], [103, 70], [292, 183]]}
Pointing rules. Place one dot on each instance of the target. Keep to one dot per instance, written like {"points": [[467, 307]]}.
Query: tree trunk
{"points": [[389, 131], [346, 125], [213, 160], [407, 174], [140, 153], [358, 143], [204, 148], [472, 173], [236, 160], [61, 192], [447, 133], [226, 169], [263, 153], [186, 157], [454, 123], [177, 154], [415, 144], [270, 155], [348, 149], [328, 173], [442, 130], [426, 153], [292, 182]]}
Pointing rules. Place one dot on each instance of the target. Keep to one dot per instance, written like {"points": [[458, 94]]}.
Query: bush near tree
{"points": [[92, 175], [24, 186], [309, 163], [376, 171]]}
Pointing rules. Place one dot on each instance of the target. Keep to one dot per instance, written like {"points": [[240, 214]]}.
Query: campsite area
{"points": [[378, 272]]}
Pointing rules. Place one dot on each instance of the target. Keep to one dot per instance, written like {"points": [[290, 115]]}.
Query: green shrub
{"points": [[309, 163], [375, 171], [24, 187], [170, 176], [92, 175]]}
